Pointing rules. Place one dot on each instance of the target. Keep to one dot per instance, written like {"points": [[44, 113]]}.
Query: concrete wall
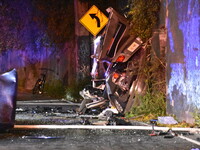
{"points": [[28, 53], [183, 58]]}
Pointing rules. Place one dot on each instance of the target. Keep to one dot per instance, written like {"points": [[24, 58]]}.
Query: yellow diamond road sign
{"points": [[94, 20]]}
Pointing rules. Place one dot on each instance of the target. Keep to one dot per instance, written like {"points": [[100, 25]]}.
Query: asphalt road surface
{"points": [[83, 139], [89, 139]]}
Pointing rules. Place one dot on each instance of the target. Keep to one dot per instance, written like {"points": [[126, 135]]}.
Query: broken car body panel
{"points": [[8, 93], [116, 39]]}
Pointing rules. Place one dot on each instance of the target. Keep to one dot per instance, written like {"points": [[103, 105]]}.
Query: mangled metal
{"points": [[118, 57], [8, 92]]}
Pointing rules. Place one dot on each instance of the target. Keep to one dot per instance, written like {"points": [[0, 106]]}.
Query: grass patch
{"points": [[55, 89], [72, 91], [152, 104], [196, 116]]}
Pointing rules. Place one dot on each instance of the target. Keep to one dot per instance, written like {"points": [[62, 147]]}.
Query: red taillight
{"points": [[96, 74], [120, 58], [115, 75]]}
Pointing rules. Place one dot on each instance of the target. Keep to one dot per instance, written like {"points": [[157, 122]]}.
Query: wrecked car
{"points": [[118, 57], [8, 89]]}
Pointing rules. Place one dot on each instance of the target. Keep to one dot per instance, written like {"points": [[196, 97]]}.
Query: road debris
{"points": [[8, 92], [153, 122], [167, 120]]}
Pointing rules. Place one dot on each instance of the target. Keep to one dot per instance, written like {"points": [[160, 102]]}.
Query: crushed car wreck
{"points": [[117, 59]]}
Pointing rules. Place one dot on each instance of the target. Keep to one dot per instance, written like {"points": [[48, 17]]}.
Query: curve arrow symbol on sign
{"points": [[93, 16]]}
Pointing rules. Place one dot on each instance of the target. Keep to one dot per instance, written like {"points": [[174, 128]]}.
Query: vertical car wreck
{"points": [[8, 93], [117, 59]]}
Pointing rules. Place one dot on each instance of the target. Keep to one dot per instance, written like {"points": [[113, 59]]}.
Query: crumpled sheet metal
{"points": [[8, 93]]}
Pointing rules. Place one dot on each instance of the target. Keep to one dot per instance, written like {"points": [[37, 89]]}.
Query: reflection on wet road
{"points": [[93, 139]]}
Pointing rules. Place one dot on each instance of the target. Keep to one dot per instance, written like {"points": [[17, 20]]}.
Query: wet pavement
{"points": [[66, 131], [84, 139], [61, 135]]}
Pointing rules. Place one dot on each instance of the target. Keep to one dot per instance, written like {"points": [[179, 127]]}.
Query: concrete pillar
{"points": [[183, 58], [82, 41]]}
